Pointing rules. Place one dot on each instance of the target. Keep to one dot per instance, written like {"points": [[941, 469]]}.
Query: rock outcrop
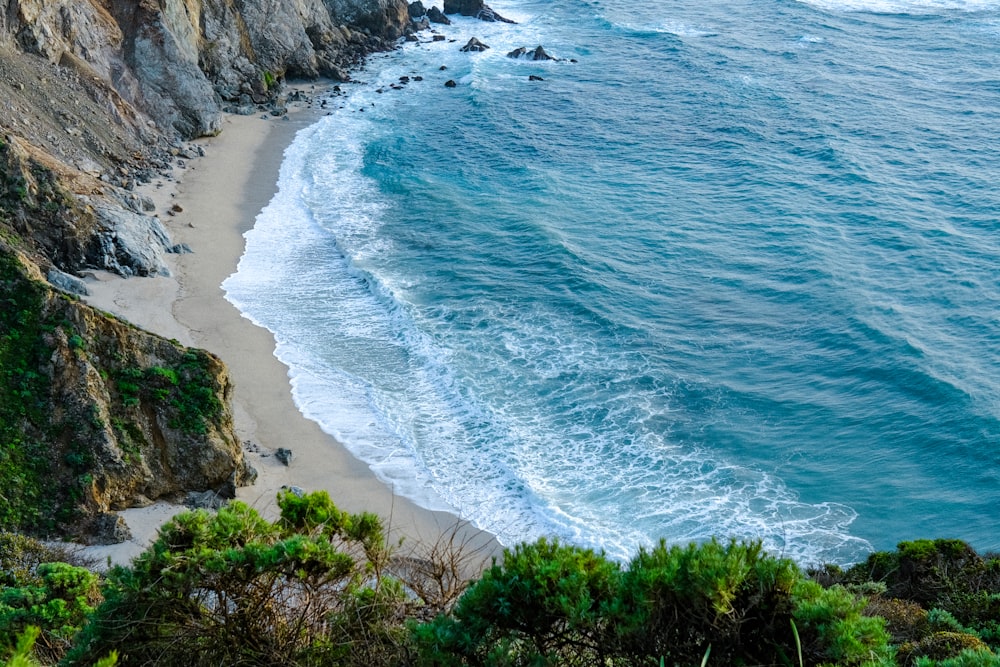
{"points": [[180, 61], [107, 415], [97, 96], [476, 8], [538, 53], [74, 221], [435, 15], [474, 46]]}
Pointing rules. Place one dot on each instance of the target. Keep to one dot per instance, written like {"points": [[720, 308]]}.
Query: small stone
{"points": [[450, 83], [284, 455]]}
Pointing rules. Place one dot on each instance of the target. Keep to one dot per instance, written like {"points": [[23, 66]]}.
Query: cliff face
{"points": [[95, 97], [98, 415], [181, 61], [97, 93]]}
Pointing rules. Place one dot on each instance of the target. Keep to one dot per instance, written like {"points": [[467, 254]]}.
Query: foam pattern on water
{"points": [[615, 309]]}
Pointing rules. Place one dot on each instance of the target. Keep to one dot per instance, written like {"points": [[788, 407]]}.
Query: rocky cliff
{"points": [[97, 415], [100, 93], [97, 96], [181, 61]]}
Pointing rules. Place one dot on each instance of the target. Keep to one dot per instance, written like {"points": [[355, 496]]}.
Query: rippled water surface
{"points": [[734, 272]]}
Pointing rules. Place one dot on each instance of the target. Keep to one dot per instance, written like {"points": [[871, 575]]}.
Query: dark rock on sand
{"points": [[284, 455], [110, 528]]}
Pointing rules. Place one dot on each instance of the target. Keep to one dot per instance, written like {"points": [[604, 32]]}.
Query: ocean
{"points": [[728, 269]]}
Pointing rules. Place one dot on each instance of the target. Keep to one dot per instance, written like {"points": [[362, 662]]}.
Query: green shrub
{"points": [[232, 588], [59, 603], [944, 574], [970, 658], [942, 646], [23, 653], [678, 601], [20, 557], [730, 604], [23, 395], [905, 620], [546, 604], [833, 629]]}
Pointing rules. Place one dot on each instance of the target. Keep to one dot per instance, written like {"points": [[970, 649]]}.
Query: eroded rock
{"points": [[474, 46]]}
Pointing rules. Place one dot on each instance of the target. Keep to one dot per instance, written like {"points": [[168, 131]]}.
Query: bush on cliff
{"points": [[551, 604], [942, 575], [58, 604], [24, 461], [232, 588], [322, 586], [23, 654], [546, 603]]}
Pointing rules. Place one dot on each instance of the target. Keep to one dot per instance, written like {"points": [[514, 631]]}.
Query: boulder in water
{"points": [[416, 9], [476, 8], [435, 15], [474, 45], [537, 54]]}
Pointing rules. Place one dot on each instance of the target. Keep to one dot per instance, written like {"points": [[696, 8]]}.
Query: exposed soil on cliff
{"points": [[73, 116]]}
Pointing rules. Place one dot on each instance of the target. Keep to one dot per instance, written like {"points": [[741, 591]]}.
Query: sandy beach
{"points": [[216, 199]]}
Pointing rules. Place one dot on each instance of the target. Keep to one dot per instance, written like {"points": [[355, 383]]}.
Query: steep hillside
{"points": [[97, 415], [96, 97]]}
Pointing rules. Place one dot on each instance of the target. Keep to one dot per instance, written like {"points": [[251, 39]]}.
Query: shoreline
{"points": [[231, 184]]}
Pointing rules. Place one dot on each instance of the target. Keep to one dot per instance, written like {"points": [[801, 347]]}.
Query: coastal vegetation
{"points": [[91, 408], [319, 586]]}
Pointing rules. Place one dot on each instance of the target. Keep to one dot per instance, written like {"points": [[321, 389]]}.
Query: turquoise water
{"points": [[733, 272]]}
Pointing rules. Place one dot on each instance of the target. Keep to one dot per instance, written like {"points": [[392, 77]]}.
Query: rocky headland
{"points": [[98, 98]]}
